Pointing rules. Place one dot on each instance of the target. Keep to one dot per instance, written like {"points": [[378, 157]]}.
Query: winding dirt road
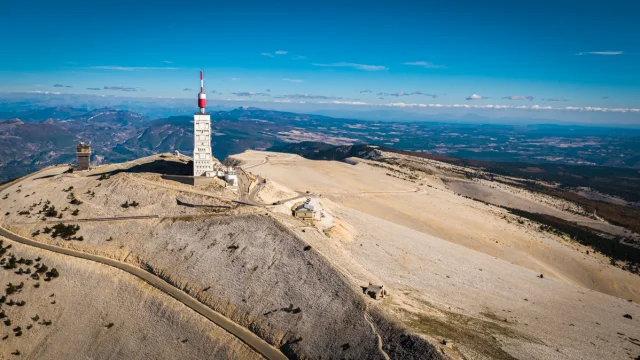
{"points": [[244, 335]]}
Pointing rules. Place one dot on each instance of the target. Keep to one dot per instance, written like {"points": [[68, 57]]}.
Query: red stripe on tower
{"points": [[202, 97]]}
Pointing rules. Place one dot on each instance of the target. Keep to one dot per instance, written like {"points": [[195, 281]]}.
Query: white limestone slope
{"points": [[462, 270]]}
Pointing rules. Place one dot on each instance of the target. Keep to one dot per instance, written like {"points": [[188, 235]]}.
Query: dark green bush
{"points": [[53, 273], [64, 231]]}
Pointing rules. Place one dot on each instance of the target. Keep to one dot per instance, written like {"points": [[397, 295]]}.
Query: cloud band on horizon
{"points": [[354, 66], [121, 88], [249, 93], [402, 93], [518, 97]]}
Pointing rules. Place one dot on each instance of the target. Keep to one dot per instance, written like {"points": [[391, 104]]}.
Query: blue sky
{"points": [[548, 53]]}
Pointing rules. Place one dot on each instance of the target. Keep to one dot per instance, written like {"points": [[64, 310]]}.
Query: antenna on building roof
{"points": [[202, 97]]}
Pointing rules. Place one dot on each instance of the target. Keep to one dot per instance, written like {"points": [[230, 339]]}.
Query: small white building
{"points": [[228, 173], [304, 211], [231, 176]]}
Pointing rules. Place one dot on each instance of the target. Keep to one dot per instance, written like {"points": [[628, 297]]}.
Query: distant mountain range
{"points": [[34, 139], [55, 113], [31, 139]]}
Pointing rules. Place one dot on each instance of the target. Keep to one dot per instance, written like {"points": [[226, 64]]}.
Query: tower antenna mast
{"points": [[203, 164], [202, 97]]}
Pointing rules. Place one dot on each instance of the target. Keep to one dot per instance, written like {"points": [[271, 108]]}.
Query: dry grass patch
{"points": [[471, 336]]}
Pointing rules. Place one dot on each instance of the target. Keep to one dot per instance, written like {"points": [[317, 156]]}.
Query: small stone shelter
{"points": [[375, 291]]}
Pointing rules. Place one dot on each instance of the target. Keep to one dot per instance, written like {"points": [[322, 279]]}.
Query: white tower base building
{"points": [[203, 161], [202, 158]]}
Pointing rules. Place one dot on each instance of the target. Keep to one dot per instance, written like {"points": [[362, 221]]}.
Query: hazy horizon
{"points": [[162, 107], [502, 58]]}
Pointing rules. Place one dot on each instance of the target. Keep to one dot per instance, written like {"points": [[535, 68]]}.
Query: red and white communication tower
{"points": [[202, 97], [202, 158]]}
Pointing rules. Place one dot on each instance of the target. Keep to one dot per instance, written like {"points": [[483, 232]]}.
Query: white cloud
{"points": [[349, 102], [307, 96], [273, 54], [475, 97], [235, 79], [402, 93], [131, 68], [167, 62], [249, 94], [44, 92], [425, 64], [122, 88], [299, 57], [601, 53], [401, 104], [518, 97], [355, 66], [293, 80]]}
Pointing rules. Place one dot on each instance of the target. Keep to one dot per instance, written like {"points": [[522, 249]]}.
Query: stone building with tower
{"points": [[83, 152], [304, 211], [204, 164]]}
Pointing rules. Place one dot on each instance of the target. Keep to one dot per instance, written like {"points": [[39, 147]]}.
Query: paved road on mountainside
{"points": [[256, 190], [244, 335], [266, 160], [244, 185]]}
